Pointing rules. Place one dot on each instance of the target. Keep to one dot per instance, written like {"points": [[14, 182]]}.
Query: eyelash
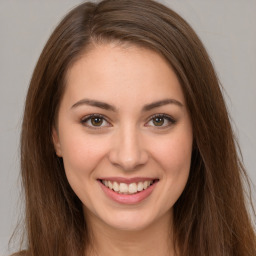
{"points": [[89, 117], [171, 121]]}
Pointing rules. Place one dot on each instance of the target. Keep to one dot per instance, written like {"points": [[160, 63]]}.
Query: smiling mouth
{"points": [[128, 189]]}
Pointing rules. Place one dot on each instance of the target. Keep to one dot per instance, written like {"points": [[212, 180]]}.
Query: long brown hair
{"points": [[210, 217]]}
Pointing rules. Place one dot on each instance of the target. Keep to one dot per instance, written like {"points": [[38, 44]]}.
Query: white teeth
{"points": [[110, 185], [116, 186], [133, 188], [124, 188], [146, 184], [140, 186]]}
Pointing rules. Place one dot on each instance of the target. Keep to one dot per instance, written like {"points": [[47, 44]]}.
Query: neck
{"points": [[155, 239]]}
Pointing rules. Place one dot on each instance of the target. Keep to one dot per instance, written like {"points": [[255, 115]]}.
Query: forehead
{"points": [[111, 71]]}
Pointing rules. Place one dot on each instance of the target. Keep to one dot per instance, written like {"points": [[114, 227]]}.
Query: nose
{"points": [[127, 151]]}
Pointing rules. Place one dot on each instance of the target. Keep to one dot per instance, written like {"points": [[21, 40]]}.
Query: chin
{"points": [[129, 224], [131, 220]]}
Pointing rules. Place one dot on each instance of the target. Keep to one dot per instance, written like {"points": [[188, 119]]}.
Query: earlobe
{"points": [[56, 142]]}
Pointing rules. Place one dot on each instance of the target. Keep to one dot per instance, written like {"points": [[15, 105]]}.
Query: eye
{"points": [[161, 121], [95, 121]]}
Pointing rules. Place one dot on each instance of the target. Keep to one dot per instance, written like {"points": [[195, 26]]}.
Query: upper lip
{"points": [[128, 180]]}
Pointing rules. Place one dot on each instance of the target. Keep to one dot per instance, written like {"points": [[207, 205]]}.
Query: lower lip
{"points": [[128, 199]]}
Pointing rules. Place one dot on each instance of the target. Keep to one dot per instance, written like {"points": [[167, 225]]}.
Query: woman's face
{"points": [[125, 136]]}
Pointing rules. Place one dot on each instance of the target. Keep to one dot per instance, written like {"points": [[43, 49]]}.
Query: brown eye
{"points": [[158, 121], [161, 121], [96, 121]]}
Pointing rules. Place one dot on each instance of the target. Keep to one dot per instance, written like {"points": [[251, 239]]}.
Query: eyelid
{"points": [[88, 117], [170, 119]]}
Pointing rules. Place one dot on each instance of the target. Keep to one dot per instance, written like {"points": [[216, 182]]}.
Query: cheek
{"points": [[81, 156], [82, 153], [175, 159], [174, 154]]}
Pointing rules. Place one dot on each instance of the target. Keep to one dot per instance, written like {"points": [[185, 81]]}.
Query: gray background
{"points": [[227, 28]]}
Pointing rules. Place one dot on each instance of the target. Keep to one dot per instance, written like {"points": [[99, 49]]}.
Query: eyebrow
{"points": [[95, 103], [161, 103], [107, 106]]}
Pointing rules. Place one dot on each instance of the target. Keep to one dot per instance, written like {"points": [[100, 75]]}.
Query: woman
{"points": [[126, 142]]}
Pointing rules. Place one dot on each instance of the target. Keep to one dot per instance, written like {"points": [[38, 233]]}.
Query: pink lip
{"points": [[125, 198]]}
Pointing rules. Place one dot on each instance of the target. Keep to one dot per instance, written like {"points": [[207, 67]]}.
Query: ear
{"points": [[56, 142]]}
